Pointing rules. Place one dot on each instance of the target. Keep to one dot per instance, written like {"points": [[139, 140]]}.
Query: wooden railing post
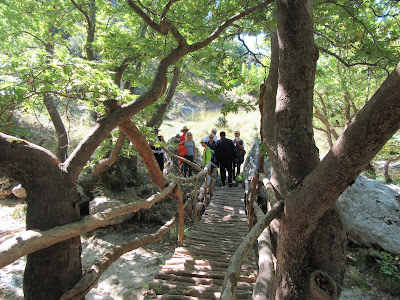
{"points": [[228, 290], [253, 197], [205, 192], [180, 218], [195, 201]]}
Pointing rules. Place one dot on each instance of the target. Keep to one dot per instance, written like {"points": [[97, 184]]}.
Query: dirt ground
{"points": [[129, 276]]}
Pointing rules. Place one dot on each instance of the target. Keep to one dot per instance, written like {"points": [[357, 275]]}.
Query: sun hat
{"points": [[185, 128]]}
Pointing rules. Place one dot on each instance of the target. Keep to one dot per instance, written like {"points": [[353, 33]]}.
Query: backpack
{"points": [[213, 157], [182, 150]]}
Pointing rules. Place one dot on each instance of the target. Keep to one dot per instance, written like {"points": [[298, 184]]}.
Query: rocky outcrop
{"points": [[370, 210]]}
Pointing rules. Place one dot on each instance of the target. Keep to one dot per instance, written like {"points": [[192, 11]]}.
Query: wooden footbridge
{"points": [[197, 270], [215, 260]]}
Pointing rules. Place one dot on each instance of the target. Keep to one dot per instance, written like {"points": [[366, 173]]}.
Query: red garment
{"points": [[181, 148]]}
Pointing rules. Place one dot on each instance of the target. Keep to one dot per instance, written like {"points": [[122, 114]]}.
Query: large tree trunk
{"points": [[52, 201], [299, 255], [50, 272]]}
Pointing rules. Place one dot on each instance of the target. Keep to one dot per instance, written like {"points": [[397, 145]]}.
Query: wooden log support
{"points": [[253, 197], [214, 178], [205, 202], [272, 198], [181, 223], [266, 269], [246, 194], [195, 201]]}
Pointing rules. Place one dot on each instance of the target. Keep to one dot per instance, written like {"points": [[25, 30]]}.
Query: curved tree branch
{"points": [[82, 11], [102, 165], [62, 136], [157, 27], [78, 158], [227, 23], [375, 123], [32, 159], [157, 116]]}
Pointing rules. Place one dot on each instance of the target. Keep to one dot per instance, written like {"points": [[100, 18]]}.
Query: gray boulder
{"points": [[370, 210], [19, 191], [102, 203]]}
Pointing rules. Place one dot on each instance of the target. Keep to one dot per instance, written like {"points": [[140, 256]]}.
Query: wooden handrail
{"points": [[231, 277], [183, 159], [253, 195], [33, 240], [228, 290], [90, 278], [30, 241]]}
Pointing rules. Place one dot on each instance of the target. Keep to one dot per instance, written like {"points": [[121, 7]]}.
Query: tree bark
{"points": [[298, 255], [49, 271], [62, 136], [268, 129], [157, 116], [311, 237], [102, 165], [389, 179], [145, 152]]}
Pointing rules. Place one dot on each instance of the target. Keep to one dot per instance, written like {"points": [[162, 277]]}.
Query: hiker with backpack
{"points": [[208, 154]]}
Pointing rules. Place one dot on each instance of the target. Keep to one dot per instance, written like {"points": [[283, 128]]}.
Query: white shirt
{"points": [[207, 139]]}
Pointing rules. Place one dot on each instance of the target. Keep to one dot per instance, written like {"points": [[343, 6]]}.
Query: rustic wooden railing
{"points": [[252, 185], [30, 241], [33, 240]]}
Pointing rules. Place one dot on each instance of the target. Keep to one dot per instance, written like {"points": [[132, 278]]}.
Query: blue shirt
{"points": [[189, 147]]}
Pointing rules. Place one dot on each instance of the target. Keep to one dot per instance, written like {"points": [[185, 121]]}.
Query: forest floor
{"points": [[130, 275]]}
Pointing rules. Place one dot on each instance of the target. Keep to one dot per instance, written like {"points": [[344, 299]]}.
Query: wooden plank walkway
{"points": [[197, 270]]}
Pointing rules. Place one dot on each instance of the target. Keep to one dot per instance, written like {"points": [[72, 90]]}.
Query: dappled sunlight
{"points": [[198, 268], [128, 277]]}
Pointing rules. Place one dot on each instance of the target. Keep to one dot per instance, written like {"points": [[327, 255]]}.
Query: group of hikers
{"points": [[227, 154]]}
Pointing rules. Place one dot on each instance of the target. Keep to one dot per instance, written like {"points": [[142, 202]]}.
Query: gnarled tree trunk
{"points": [[321, 247], [311, 241], [52, 201]]}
